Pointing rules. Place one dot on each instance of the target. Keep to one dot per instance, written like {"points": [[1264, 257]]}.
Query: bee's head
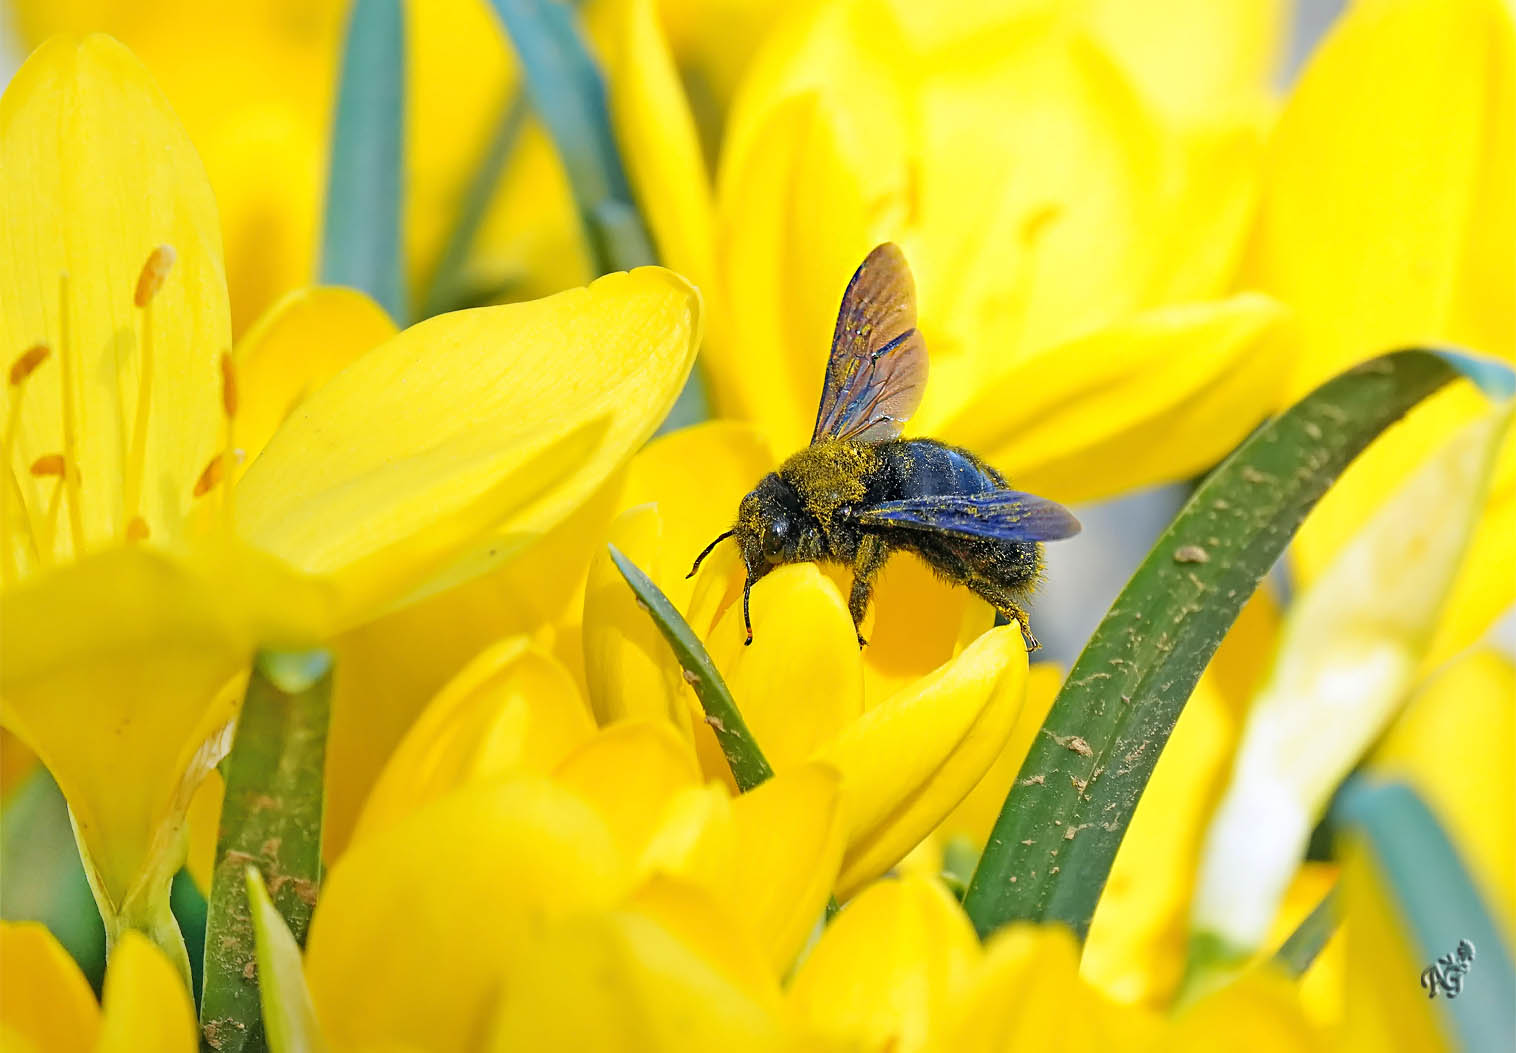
{"points": [[768, 526]]}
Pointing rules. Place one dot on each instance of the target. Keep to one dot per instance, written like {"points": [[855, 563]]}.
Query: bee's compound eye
{"points": [[774, 538]]}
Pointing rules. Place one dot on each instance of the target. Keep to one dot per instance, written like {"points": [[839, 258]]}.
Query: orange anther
{"points": [[211, 476], [136, 530], [30, 359], [159, 261], [228, 385], [50, 464]]}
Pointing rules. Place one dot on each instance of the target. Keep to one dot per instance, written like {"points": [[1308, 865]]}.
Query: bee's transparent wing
{"points": [[877, 371], [1008, 515]]}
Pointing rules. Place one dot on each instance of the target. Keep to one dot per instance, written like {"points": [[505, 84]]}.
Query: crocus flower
{"points": [[138, 577]]}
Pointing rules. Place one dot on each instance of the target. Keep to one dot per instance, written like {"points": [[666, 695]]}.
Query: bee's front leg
{"points": [[872, 552]]}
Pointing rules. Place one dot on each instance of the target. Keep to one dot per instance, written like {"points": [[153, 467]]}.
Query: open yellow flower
{"points": [[1372, 247], [137, 578], [49, 1008], [1052, 214]]}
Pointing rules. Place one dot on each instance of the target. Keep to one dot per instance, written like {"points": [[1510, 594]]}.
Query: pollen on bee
{"points": [[228, 385], [49, 464], [159, 262], [136, 530], [211, 476], [27, 362]]}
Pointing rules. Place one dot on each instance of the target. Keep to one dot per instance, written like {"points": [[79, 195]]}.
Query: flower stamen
{"points": [[23, 367], [154, 272], [50, 464], [71, 423], [228, 447]]}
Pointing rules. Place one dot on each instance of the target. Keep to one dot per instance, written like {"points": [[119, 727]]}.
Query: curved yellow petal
{"points": [[1348, 169], [1052, 1008], [510, 857], [887, 968], [694, 915], [294, 348], [631, 771], [789, 846], [908, 761], [629, 667], [145, 1004], [1154, 398], [1468, 702], [512, 710], [626, 980], [388, 670], [1259, 1011], [659, 141], [289, 1019], [801, 682], [560, 391], [96, 173], [48, 1002]]}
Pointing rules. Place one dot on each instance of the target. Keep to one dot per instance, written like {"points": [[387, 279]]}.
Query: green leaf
{"points": [[1300, 949], [361, 241], [567, 92], [1440, 902], [1051, 850], [271, 820], [742, 753], [289, 1018]]}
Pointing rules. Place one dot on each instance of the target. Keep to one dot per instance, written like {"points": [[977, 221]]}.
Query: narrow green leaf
{"points": [[271, 820], [742, 753], [568, 93], [361, 241], [289, 1018], [1300, 949], [1051, 850], [1439, 901]]}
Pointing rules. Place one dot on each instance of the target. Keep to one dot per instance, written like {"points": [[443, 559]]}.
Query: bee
{"points": [[859, 493]]}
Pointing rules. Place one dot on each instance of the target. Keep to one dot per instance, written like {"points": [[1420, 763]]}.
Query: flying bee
{"points": [[859, 492]]}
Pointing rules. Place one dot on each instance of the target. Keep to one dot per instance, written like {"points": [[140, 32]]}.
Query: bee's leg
{"points": [[1012, 613], [872, 552]]}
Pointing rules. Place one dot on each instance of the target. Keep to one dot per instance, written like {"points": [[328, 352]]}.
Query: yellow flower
{"points": [[48, 1006], [529, 863], [1372, 247], [1071, 303], [138, 580], [254, 84]]}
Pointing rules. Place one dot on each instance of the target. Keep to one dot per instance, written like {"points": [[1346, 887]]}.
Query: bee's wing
{"points": [[1008, 515], [877, 371]]}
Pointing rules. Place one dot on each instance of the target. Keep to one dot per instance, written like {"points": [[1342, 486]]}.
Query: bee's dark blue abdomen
{"points": [[928, 468]]}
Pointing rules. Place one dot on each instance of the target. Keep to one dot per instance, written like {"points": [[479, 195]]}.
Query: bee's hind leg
{"points": [[872, 552], [1006, 613]]}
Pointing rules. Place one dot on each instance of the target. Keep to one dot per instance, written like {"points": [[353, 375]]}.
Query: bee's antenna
{"points": [[707, 551], [747, 619]]}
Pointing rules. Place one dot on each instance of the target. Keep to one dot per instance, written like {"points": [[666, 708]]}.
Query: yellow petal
{"points": [[801, 682], [631, 771], [95, 173], [658, 139], [512, 710], [625, 980], [47, 1000], [790, 837], [630, 669], [289, 1020], [1155, 398], [388, 670], [1261, 1011], [1348, 170], [1231, 51], [887, 968], [560, 391], [294, 348], [509, 857], [1052, 1006], [122, 672], [1467, 703], [145, 1004], [908, 761]]}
